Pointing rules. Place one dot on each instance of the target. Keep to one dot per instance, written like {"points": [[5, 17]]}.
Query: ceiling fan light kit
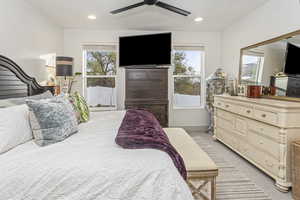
{"points": [[154, 3]]}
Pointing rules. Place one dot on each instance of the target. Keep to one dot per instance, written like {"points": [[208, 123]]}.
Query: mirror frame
{"points": [[276, 39]]}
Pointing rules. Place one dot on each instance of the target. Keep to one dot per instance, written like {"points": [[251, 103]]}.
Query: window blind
{"points": [[99, 47], [188, 48]]}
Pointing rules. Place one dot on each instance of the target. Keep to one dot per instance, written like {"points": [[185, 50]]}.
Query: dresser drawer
{"points": [[160, 111], [219, 104], [229, 138], [263, 160], [225, 115], [245, 148], [238, 109], [266, 116], [225, 124], [247, 112], [240, 126], [264, 129], [231, 107], [232, 122], [265, 144], [268, 163]]}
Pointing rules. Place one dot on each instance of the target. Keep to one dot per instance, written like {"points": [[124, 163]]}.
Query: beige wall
{"points": [[25, 35], [275, 18]]}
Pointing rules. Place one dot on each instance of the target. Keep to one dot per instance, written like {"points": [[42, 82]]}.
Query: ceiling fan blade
{"points": [[173, 8], [127, 8]]}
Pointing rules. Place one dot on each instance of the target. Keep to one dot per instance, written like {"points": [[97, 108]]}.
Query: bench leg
{"points": [[197, 191], [213, 188]]}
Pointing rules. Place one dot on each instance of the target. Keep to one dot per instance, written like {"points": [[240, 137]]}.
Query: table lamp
{"points": [[64, 68]]}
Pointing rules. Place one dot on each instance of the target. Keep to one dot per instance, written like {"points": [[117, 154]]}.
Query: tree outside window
{"points": [[188, 63], [100, 76]]}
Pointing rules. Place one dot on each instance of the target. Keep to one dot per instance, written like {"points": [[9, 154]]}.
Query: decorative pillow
{"points": [[52, 120], [80, 107], [22, 100], [14, 127]]}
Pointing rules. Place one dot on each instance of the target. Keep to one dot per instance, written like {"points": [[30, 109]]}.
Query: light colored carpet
{"points": [[232, 183]]}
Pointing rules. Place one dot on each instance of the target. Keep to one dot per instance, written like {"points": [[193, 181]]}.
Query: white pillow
{"points": [[14, 127]]}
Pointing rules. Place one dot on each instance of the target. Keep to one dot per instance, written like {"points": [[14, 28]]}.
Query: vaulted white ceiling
{"points": [[217, 14]]}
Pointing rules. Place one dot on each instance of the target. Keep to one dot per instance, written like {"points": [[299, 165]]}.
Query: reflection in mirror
{"points": [[260, 63], [274, 63]]}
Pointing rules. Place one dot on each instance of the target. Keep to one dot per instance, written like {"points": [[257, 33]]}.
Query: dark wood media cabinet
{"points": [[147, 88]]}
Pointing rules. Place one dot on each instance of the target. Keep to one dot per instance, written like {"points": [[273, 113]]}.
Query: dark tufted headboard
{"points": [[14, 82]]}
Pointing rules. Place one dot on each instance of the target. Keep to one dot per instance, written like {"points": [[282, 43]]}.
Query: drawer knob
{"points": [[263, 115], [227, 106], [261, 142], [248, 111]]}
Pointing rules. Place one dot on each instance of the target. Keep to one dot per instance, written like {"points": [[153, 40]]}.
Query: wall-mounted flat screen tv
{"points": [[292, 63], [145, 50]]}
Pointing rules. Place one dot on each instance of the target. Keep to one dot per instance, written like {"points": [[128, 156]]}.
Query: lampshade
{"points": [[64, 66]]}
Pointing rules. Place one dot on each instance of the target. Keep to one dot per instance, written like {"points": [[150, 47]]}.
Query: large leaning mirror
{"points": [[274, 63]]}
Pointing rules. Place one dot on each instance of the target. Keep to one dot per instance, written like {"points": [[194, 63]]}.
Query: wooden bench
{"points": [[200, 167]]}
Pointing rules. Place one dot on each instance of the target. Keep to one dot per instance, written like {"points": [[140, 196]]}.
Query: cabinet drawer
{"points": [[264, 129], [159, 111], [225, 124], [267, 145], [219, 104], [238, 109], [228, 138], [268, 163], [266, 116], [225, 115], [240, 125], [248, 112], [231, 107]]}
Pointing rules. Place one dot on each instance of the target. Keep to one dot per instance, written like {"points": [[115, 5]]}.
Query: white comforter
{"points": [[88, 166]]}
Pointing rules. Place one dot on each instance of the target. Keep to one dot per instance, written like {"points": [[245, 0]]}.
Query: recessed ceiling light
{"points": [[92, 17], [198, 19]]}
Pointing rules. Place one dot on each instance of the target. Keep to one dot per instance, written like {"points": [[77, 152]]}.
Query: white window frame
{"points": [[201, 76], [99, 47], [260, 65]]}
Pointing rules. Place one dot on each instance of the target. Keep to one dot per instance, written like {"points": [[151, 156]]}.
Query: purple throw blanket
{"points": [[141, 130]]}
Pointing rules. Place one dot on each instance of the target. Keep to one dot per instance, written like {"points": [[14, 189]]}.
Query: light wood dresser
{"points": [[261, 131]]}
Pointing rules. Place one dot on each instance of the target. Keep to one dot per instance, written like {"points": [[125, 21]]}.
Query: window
{"points": [[188, 69], [253, 63], [99, 73]]}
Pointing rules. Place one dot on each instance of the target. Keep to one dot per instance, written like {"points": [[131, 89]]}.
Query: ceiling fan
{"points": [[151, 3]]}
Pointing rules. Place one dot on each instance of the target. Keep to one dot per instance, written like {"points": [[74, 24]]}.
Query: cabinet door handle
{"points": [[248, 111], [263, 115]]}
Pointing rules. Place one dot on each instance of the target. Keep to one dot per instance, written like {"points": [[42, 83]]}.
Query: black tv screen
{"points": [[145, 50], [292, 63]]}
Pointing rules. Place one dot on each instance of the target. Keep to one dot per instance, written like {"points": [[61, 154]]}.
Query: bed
{"points": [[89, 165]]}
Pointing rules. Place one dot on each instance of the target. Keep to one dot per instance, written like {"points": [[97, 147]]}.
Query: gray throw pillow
{"points": [[19, 101], [52, 120]]}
